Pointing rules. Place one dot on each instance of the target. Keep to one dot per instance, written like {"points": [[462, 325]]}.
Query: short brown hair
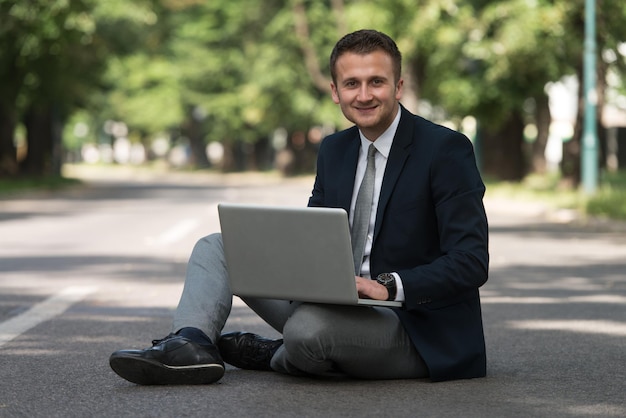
{"points": [[363, 42]]}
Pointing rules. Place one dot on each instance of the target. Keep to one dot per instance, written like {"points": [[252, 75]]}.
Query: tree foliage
{"points": [[53, 57], [235, 71]]}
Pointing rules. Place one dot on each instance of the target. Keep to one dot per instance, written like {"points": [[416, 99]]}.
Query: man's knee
{"points": [[208, 244], [305, 330], [211, 240]]}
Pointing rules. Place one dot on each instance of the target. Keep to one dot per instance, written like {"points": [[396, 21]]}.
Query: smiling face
{"points": [[367, 91]]}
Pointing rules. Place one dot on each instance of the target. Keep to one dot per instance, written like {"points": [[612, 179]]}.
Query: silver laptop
{"points": [[300, 254]]}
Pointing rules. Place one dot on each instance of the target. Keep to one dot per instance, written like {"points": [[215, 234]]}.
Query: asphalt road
{"points": [[100, 267]]}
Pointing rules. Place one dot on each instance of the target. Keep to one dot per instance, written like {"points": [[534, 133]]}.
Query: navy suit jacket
{"points": [[431, 229]]}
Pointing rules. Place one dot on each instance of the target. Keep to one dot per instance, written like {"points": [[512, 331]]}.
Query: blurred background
{"points": [[243, 85]]}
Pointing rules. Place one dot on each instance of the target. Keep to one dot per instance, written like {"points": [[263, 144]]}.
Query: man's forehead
{"points": [[375, 63]]}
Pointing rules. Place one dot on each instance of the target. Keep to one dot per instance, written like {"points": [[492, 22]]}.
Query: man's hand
{"points": [[371, 289]]}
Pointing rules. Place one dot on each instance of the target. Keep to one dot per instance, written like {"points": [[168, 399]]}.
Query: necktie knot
{"points": [[371, 151]]}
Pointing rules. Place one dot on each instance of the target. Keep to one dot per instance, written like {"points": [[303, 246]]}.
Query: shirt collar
{"points": [[384, 141]]}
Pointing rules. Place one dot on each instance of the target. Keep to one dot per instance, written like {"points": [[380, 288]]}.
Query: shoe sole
{"points": [[149, 372]]}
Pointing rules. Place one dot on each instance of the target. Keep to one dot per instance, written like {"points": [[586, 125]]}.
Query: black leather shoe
{"points": [[174, 360], [248, 351]]}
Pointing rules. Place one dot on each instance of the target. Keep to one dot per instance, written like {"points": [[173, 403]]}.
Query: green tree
{"points": [[610, 34], [53, 58], [475, 58], [220, 71], [242, 70], [492, 59], [488, 60], [141, 85], [50, 58], [235, 71]]}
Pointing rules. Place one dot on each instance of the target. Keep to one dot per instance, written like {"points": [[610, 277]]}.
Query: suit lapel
{"points": [[348, 172], [397, 157]]}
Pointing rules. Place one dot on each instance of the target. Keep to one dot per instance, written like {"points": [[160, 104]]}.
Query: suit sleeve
{"points": [[462, 266], [317, 195]]}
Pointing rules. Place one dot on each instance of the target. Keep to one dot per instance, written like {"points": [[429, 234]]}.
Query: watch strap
{"points": [[389, 281]]}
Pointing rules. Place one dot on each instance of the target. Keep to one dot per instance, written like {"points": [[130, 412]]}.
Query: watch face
{"points": [[385, 278]]}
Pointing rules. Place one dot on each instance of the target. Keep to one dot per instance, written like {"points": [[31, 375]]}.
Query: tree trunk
{"points": [[601, 71], [543, 118], [193, 130], [311, 61], [8, 153], [410, 98], [263, 154], [235, 156], [570, 163], [502, 149], [43, 139]]}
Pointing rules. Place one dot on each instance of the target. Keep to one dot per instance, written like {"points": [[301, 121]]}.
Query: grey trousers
{"points": [[319, 339]]}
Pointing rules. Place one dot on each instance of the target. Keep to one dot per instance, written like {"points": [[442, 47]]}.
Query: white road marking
{"points": [[606, 327], [41, 312], [176, 232], [536, 300]]}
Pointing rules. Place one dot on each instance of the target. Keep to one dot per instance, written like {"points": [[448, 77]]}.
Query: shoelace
{"points": [[259, 350], [169, 337]]}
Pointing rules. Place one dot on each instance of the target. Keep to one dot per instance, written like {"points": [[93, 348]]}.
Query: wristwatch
{"points": [[389, 281]]}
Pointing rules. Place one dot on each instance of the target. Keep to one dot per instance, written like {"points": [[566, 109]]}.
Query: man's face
{"points": [[366, 91]]}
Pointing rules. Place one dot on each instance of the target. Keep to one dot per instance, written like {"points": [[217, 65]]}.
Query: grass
{"points": [[609, 200], [15, 185]]}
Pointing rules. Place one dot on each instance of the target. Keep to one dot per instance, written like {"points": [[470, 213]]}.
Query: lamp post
{"points": [[589, 151]]}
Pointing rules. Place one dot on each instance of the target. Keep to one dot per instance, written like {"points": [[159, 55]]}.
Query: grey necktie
{"points": [[363, 210]]}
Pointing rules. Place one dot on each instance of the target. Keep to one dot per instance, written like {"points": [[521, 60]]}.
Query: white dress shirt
{"points": [[383, 146]]}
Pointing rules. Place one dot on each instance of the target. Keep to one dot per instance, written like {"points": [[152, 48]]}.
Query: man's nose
{"points": [[364, 93]]}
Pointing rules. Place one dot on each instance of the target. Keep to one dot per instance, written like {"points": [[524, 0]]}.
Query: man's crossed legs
{"points": [[318, 339]]}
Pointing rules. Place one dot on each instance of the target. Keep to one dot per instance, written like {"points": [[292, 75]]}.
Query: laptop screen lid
{"points": [[293, 253]]}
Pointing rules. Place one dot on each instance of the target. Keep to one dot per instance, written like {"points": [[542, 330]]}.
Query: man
{"points": [[424, 243]]}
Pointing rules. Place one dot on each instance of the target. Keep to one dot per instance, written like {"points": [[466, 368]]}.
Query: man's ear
{"points": [[334, 94], [399, 89]]}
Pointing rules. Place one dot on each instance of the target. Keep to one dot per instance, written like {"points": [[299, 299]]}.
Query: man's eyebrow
{"points": [[347, 80], [373, 77]]}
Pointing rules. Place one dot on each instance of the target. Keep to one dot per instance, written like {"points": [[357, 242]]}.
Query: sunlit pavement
{"points": [[100, 267]]}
